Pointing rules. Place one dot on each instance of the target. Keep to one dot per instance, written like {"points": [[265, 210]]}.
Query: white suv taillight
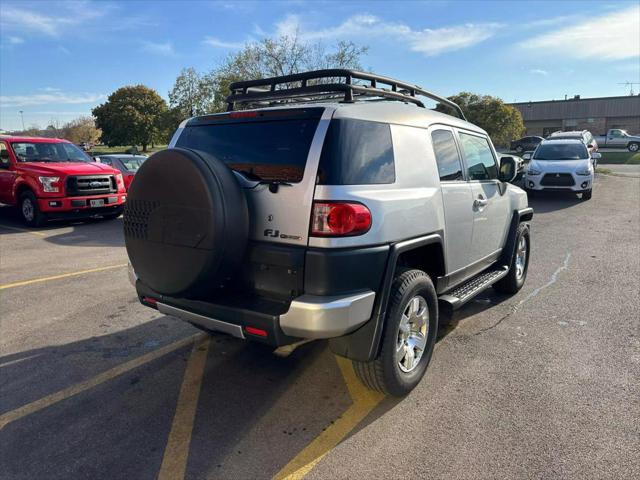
{"points": [[339, 219]]}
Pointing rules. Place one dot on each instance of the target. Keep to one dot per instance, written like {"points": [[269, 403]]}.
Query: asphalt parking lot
{"points": [[544, 384]]}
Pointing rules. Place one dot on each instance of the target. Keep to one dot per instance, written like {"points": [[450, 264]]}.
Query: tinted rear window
{"points": [[357, 152], [272, 150]]}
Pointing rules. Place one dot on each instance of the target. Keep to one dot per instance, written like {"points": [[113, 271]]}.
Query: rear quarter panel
{"points": [[410, 207]]}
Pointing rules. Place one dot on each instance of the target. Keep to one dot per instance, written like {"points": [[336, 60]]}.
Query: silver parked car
{"points": [[328, 208]]}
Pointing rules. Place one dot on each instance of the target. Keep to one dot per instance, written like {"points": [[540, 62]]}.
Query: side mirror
{"points": [[526, 156], [508, 169], [596, 156]]}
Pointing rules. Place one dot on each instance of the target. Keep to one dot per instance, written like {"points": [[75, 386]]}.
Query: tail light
{"points": [[339, 219]]}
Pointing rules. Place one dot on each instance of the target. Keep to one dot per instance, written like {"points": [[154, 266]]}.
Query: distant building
{"points": [[594, 114]]}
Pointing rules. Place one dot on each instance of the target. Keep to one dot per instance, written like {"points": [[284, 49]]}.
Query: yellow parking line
{"points": [[63, 275], [364, 400], [176, 453], [49, 400], [24, 230]]}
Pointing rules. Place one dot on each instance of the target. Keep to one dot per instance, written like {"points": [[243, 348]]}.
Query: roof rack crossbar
{"points": [[267, 89]]}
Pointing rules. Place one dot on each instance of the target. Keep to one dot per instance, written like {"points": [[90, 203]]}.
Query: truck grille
{"points": [[90, 185], [558, 180]]}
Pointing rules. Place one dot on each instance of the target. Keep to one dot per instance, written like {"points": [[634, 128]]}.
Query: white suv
{"points": [[344, 211], [561, 165]]}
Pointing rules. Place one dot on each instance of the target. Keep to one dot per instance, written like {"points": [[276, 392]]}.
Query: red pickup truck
{"points": [[52, 178]]}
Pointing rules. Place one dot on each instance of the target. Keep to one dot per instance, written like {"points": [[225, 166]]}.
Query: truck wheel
{"points": [[586, 195], [411, 326], [31, 214], [633, 146], [514, 280]]}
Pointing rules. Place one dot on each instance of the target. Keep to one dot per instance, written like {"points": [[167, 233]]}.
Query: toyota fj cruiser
{"points": [[329, 207]]}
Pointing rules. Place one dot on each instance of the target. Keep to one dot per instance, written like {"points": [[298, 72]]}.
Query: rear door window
{"points": [[447, 156], [481, 165], [357, 152], [270, 150]]}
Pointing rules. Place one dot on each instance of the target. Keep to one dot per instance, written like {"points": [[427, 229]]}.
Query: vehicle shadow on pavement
{"points": [[255, 411], [545, 202], [91, 233], [88, 232]]}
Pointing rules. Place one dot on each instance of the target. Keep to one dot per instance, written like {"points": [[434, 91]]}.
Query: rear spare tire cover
{"points": [[185, 222]]}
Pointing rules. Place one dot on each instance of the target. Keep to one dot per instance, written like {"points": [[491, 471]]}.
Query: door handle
{"points": [[480, 202]]}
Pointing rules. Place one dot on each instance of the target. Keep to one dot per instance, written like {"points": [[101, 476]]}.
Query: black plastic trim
{"points": [[336, 272], [364, 343]]}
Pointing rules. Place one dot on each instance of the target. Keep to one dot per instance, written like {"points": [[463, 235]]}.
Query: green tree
{"points": [[82, 129], [285, 55], [192, 93], [501, 121], [132, 115]]}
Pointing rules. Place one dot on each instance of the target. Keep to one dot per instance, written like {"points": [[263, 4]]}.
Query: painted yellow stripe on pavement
{"points": [[364, 400], [24, 230], [49, 400], [57, 277], [176, 453]]}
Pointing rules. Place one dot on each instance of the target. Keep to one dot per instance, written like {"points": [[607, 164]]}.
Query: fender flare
{"points": [[519, 216], [364, 344]]}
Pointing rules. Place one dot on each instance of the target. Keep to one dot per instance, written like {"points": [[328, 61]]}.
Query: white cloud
{"points": [[428, 41], [214, 42], [159, 48], [15, 40], [53, 97], [539, 71], [613, 36], [70, 14]]}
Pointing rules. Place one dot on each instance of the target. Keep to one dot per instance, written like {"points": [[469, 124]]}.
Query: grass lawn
{"points": [[632, 158], [104, 150]]}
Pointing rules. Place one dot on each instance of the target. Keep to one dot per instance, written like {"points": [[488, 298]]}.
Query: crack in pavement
{"points": [[532, 294]]}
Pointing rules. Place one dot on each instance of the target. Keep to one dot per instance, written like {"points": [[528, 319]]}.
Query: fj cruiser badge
{"points": [[276, 234]]}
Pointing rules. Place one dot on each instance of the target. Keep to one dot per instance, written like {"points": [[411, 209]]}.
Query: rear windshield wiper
{"points": [[273, 183]]}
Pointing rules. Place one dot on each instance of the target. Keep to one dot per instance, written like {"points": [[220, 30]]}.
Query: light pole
{"points": [[22, 117]]}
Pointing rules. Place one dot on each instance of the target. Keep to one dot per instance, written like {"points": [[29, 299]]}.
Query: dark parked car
{"points": [[127, 164], [525, 144]]}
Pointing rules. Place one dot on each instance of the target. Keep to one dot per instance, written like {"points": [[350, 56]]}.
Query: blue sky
{"points": [[60, 59]]}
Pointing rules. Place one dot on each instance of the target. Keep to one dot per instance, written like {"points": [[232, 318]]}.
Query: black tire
{"points": [[115, 214], [633, 146], [513, 282], [383, 373], [586, 195], [29, 210]]}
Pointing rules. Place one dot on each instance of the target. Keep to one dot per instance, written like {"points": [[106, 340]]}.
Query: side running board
{"points": [[472, 287]]}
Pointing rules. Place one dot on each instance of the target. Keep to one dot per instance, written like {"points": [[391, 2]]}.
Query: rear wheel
{"points": [[31, 214], [586, 195], [410, 334], [633, 146], [514, 280]]}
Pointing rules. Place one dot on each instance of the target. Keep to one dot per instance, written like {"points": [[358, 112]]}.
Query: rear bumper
{"points": [[81, 205]]}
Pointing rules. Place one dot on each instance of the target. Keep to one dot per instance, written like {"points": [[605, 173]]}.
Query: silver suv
{"points": [[329, 207]]}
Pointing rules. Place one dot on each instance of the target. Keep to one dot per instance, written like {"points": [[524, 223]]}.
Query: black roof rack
{"points": [[339, 83]]}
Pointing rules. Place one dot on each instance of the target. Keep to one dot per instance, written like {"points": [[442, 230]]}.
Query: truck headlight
{"points": [[533, 172], [584, 172], [48, 184]]}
